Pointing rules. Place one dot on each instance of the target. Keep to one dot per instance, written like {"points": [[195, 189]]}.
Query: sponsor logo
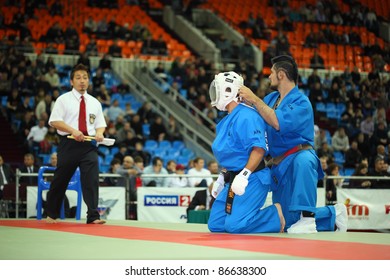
{"points": [[167, 200], [357, 211], [104, 207]]}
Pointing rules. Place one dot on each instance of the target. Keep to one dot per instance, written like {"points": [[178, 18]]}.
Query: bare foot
{"points": [[50, 220], [98, 222], [281, 217]]}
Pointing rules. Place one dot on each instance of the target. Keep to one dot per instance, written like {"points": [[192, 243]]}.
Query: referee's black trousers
{"points": [[72, 154]]}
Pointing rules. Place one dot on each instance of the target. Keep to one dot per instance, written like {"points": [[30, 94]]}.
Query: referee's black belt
{"points": [[229, 177]]}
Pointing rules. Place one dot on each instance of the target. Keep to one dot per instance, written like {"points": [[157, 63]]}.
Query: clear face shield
{"points": [[224, 89]]}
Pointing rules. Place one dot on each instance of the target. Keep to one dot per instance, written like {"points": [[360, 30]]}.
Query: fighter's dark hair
{"points": [[288, 65], [79, 67]]}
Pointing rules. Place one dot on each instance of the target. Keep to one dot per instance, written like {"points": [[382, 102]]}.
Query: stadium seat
{"points": [[74, 184], [187, 152], [151, 144], [183, 160], [164, 144], [178, 144], [339, 158], [173, 152], [146, 130]]}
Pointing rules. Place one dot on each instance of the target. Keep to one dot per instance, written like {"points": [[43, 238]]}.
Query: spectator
{"points": [[115, 50], [199, 170], [136, 124], [90, 26], [380, 135], [325, 151], [202, 200], [333, 184], [36, 136], [146, 113], [91, 48], [122, 152], [379, 171], [367, 126], [363, 145], [105, 63], [128, 171], [84, 59], [114, 111], [316, 61], [29, 167], [157, 169], [122, 132], [140, 152], [158, 130], [44, 106], [353, 156], [212, 166], [171, 166], [319, 139], [14, 101], [340, 140], [379, 153], [324, 165], [361, 170], [180, 181], [6, 175]]}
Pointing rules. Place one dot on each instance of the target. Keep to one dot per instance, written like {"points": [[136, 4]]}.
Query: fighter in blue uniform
{"points": [[295, 165], [239, 147]]}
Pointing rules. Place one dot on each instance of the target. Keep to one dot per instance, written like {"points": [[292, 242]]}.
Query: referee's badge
{"points": [[92, 118]]}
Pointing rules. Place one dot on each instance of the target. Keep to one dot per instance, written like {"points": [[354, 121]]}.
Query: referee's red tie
{"points": [[82, 117]]}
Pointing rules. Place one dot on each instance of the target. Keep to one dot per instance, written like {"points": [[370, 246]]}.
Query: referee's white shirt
{"points": [[67, 107]]}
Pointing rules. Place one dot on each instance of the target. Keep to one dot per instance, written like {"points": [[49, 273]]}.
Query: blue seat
{"points": [[341, 107], [151, 144], [348, 171], [129, 97], [178, 144], [116, 96], [146, 130], [164, 144], [183, 160], [173, 152], [187, 152], [339, 158], [320, 107], [74, 185], [159, 152]]}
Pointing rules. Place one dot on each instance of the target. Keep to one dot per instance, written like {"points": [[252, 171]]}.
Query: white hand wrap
{"points": [[241, 181], [218, 185]]}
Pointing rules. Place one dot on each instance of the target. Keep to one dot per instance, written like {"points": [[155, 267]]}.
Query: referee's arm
{"points": [[61, 125]]}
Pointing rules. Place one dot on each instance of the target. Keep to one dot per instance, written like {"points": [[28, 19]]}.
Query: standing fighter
{"points": [[239, 146], [78, 114], [296, 167]]}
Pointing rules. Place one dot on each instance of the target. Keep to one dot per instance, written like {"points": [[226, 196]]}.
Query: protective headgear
{"points": [[224, 89]]}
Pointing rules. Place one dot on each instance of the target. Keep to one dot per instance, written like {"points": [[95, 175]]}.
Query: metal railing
{"points": [[128, 187]]}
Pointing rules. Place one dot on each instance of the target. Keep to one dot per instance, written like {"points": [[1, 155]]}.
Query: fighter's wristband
{"points": [[245, 173]]}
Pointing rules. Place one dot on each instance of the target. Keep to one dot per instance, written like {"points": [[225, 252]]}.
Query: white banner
{"points": [[367, 209], [166, 205], [169, 205], [112, 202]]}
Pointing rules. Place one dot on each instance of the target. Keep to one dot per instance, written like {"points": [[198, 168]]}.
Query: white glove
{"points": [[241, 181], [218, 185]]}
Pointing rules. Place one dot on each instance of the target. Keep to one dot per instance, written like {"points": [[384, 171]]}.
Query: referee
{"points": [[79, 114]]}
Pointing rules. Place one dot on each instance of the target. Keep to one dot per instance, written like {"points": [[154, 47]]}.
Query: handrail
{"points": [[19, 174]]}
